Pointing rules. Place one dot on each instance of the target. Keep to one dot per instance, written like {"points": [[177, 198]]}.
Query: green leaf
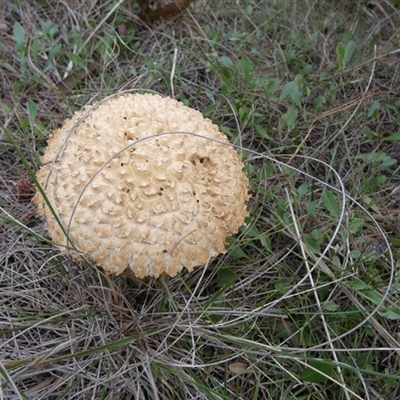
{"points": [[226, 62], [349, 50], [311, 207], [331, 203], [292, 115], [263, 133], [77, 60], [52, 53], [245, 64], [287, 90], [392, 138], [9, 67], [18, 32], [345, 51], [355, 225], [296, 96], [373, 296], [149, 62], [253, 232], [385, 160], [313, 372], [336, 262], [32, 110], [270, 84], [331, 306], [282, 287], [374, 109], [226, 276], [313, 244], [354, 254], [369, 134], [395, 242], [340, 51], [392, 314], [209, 110], [387, 163], [318, 102], [358, 284], [307, 70], [236, 252], [302, 189]]}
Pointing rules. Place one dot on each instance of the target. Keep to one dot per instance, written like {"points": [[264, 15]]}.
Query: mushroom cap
{"points": [[153, 205]]}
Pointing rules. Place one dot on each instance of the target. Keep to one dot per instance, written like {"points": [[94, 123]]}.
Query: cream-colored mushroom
{"points": [[155, 205]]}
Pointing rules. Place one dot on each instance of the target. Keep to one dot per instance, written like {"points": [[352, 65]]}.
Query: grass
{"points": [[305, 304]]}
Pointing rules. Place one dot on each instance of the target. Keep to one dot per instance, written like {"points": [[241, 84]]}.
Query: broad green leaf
{"points": [[149, 62], [318, 102], [358, 284], [331, 306], [266, 171], [395, 242], [226, 276], [363, 359], [344, 52], [265, 241], [349, 50], [209, 110], [369, 134], [333, 92], [270, 84], [331, 203], [245, 64], [392, 314], [296, 96], [355, 225], [374, 109], [387, 163], [354, 254], [392, 138], [18, 32], [253, 232], [9, 67], [52, 53], [336, 261], [237, 252], [312, 244], [340, 51], [249, 10], [302, 189], [307, 70], [287, 90], [32, 110], [313, 372], [77, 60], [373, 296], [226, 61], [311, 207], [291, 120], [263, 133], [282, 287]]}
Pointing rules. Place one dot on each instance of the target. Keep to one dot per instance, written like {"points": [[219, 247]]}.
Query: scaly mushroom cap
{"points": [[156, 205]]}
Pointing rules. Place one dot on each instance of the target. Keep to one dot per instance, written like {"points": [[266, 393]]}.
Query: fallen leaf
{"points": [[166, 12], [238, 368]]}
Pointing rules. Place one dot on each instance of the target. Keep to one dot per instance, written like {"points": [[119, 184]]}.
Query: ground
{"points": [[305, 302]]}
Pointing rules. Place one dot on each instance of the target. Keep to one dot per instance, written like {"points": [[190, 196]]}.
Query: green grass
{"points": [[306, 302]]}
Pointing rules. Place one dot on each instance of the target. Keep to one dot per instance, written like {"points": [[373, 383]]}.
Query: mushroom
{"points": [[128, 195]]}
